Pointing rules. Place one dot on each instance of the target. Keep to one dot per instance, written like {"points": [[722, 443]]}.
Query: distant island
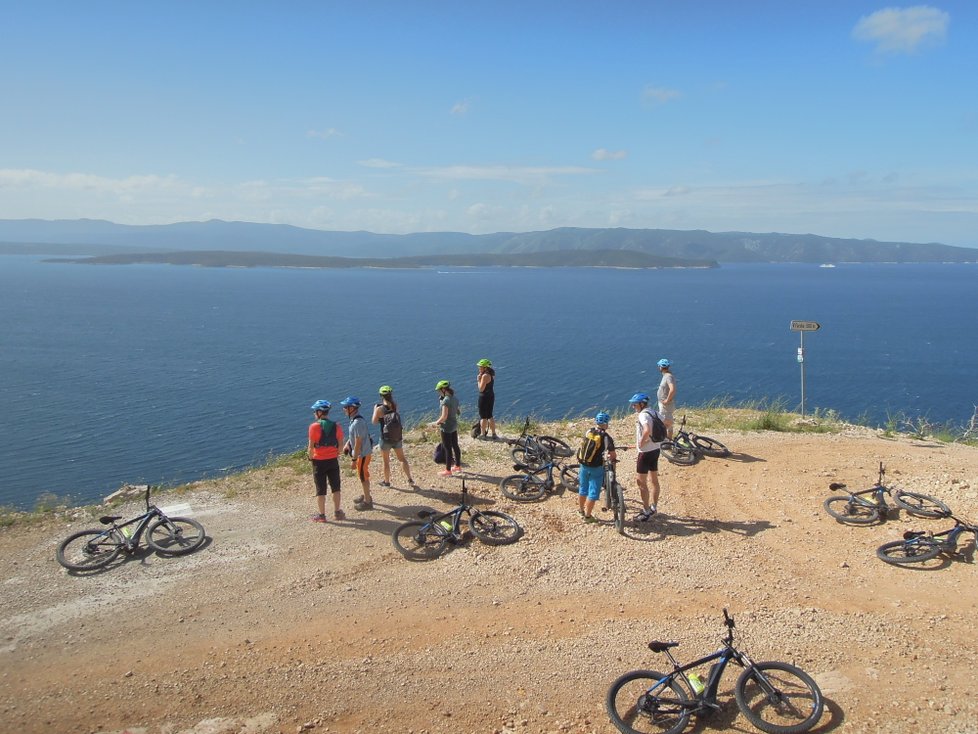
{"points": [[247, 244]]}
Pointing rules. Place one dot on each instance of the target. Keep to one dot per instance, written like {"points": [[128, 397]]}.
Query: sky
{"points": [[842, 118]]}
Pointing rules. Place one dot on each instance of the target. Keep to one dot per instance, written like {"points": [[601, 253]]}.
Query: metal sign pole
{"points": [[801, 327]]}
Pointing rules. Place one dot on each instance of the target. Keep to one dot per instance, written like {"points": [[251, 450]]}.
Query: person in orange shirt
{"points": [[325, 437]]}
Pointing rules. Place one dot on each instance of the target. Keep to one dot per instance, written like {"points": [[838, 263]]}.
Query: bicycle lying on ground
{"points": [[687, 447], [775, 697], [89, 550], [918, 546], [537, 480], [534, 451], [427, 539], [869, 505]]}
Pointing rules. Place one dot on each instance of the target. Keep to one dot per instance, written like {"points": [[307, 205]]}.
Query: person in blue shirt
{"points": [[359, 446]]}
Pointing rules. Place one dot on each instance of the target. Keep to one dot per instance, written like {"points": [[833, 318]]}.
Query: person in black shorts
{"points": [[325, 437], [647, 461], [486, 381]]}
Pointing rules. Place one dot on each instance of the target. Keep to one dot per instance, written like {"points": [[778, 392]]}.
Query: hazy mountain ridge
{"points": [[102, 237]]}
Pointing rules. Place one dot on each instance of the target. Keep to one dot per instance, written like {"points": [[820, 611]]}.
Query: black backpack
{"points": [[658, 430], [391, 429], [328, 435]]}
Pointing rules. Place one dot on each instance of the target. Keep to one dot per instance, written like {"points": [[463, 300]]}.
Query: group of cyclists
{"points": [[326, 441]]}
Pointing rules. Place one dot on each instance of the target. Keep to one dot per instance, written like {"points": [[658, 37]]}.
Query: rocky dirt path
{"points": [[282, 625]]}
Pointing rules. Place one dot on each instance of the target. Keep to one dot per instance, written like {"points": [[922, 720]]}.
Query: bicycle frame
{"points": [[435, 522], [707, 698], [946, 540]]}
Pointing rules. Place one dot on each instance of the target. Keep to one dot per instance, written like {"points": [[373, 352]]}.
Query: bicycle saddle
{"points": [[661, 646], [425, 514], [521, 467], [837, 485], [109, 519], [911, 534]]}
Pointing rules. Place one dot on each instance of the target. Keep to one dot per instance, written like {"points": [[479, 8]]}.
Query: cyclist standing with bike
{"points": [[666, 395], [324, 450], [647, 462], [591, 456]]}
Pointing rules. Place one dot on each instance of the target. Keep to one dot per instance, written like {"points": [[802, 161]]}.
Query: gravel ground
{"points": [[279, 624]]}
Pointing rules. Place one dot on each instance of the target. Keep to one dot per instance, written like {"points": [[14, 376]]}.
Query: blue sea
{"points": [[163, 374]]}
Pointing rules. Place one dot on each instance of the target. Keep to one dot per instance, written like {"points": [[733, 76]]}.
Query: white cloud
{"points": [[516, 174], [28, 178], [601, 154], [378, 163], [659, 95], [330, 132], [461, 108], [902, 30]]}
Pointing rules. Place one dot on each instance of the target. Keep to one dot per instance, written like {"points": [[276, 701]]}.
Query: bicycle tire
{"points": [[794, 705], [710, 446], [677, 454], [634, 711], [922, 505], [619, 509], [901, 552], [523, 487], [570, 477], [88, 550], [555, 446], [495, 528], [529, 456], [847, 510], [175, 536], [419, 541]]}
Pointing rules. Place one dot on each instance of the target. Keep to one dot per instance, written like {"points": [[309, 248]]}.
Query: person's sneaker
{"points": [[590, 518], [456, 470], [644, 516], [445, 473], [339, 515], [318, 518], [363, 505], [385, 484]]}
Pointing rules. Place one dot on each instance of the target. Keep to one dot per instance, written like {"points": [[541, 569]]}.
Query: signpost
{"points": [[801, 327]]}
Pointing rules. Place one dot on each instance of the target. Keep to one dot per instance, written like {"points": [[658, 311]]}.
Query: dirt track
{"points": [[280, 623]]}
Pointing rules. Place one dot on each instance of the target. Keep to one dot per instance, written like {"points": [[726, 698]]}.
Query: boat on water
{"points": [[826, 265]]}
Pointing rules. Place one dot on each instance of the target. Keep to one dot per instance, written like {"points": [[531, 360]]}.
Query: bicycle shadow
{"points": [[663, 526], [730, 718], [742, 458]]}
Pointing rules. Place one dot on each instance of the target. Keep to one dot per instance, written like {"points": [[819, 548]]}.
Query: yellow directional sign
{"points": [[805, 326]]}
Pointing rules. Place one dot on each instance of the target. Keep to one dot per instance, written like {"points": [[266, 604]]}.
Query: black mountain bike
{"points": [[537, 480], [89, 550], [869, 505], [775, 697], [918, 546], [535, 451], [687, 447], [614, 494], [427, 539]]}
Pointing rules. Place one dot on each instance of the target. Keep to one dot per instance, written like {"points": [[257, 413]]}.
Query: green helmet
{"points": [[483, 363], [385, 390], [442, 384]]}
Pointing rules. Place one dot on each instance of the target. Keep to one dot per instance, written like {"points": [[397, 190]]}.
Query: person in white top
{"points": [[666, 395], [647, 461]]}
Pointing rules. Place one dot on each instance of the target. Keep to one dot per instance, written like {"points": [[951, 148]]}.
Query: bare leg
{"points": [[643, 488], [492, 427], [654, 477], [386, 453], [404, 465], [321, 501]]}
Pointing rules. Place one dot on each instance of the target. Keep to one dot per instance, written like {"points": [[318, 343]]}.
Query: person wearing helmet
{"points": [[391, 434], [358, 446], [647, 461], [448, 425], [324, 442], [486, 382], [666, 395], [596, 441]]}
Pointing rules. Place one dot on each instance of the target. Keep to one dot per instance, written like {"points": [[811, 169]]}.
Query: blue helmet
{"points": [[602, 418], [664, 363], [639, 397], [350, 400], [322, 405]]}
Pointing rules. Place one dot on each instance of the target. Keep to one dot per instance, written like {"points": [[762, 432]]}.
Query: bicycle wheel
{"points": [[922, 505], [677, 454], [555, 446], [779, 698], [419, 541], [523, 487], [88, 550], [710, 446], [495, 528], [916, 550], [531, 457], [637, 704], [175, 536], [849, 510], [619, 507], [570, 477]]}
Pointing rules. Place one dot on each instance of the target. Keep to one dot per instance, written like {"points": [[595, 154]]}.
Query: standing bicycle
{"points": [[869, 505], [89, 550], [614, 493], [775, 697]]}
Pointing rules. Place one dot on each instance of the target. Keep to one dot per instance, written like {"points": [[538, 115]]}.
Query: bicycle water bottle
{"points": [[447, 524], [696, 683]]}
